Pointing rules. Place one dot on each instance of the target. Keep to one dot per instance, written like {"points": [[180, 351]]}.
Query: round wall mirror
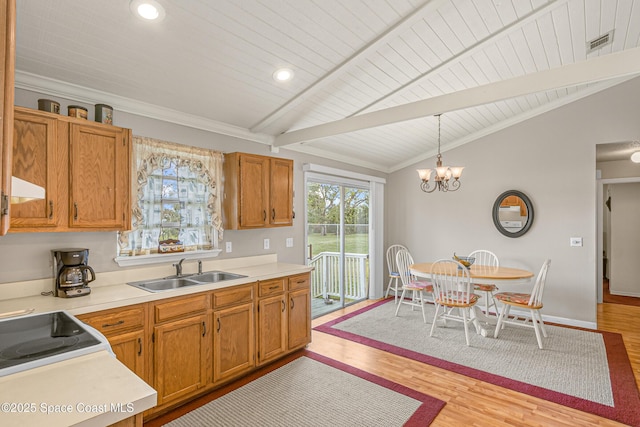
{"points": [[513, 213]]}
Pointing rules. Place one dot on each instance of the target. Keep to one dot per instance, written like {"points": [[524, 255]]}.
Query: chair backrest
{"points": [[485, 257], [451, 282], [403, 261], [391, 257], [538, 288]]}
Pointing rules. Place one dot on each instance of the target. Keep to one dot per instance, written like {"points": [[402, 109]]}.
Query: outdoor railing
{"points": [[325, 278]]}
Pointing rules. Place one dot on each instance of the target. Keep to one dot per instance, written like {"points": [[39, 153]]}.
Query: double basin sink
{"points": [[177, 282]]}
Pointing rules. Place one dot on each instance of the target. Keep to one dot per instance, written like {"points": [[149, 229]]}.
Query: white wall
{"points": [[26, 256], [625, 239], [551, 158]]}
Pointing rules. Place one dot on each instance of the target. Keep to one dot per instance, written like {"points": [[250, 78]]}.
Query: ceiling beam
{"points": [[604, 67], [339, 70]]}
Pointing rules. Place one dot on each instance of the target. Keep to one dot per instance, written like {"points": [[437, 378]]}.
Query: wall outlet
{"points": [[266, 244], [289, 242], [228, 247], [575, 241]]}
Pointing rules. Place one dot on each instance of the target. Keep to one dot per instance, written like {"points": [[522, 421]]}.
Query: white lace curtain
{"points": [[176, 197]]}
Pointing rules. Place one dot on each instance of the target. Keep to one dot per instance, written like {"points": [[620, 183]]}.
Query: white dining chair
{"points": [[531, 302], [419, 289], [485, 257], [452, 290], [394, 275]]}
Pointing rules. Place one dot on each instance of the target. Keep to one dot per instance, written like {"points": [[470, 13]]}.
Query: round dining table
{"points": [[482, 274]]}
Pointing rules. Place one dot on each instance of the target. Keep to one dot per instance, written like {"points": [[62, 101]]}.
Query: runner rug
{"points": [[314, 391], [585, 370]]}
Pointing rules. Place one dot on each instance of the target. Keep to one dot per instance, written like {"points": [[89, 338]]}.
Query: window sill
{"points": [[127, 261]]}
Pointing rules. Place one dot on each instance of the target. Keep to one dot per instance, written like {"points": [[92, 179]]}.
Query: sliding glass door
{"points": [[337, 233]]}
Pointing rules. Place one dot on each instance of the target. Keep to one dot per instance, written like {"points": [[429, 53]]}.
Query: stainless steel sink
{"points": [[215, 276], [174, 282]]}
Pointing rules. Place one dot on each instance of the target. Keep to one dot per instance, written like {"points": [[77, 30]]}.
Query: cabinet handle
{"points": [[274, 287], [75, 211], [264, 215], [292, 304], [204, 329], [110, 325], [273, 214], [50, 209], [218, 325], [284, 306], [139, 346]]}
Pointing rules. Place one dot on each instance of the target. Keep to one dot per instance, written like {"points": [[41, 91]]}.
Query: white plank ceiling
{"points": [[209, 64]]}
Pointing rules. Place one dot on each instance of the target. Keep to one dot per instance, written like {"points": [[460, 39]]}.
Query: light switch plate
{"points": [[289, 242], [228, 247], [266, 243], [575, 241]]}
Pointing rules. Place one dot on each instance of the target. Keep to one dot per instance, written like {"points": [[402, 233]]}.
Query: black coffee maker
{"points": [[72, 274]]}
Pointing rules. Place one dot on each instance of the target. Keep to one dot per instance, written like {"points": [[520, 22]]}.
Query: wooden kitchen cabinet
{"points": [[181, 353], [125, 329], [234, 334], [258, 191], [284, 316], [7, 66], [83, 166]]}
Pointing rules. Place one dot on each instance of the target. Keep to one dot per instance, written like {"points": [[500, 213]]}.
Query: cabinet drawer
{"points": [[301, 281], [232, 296], [181, 306], [271, 287], [110, 322]]}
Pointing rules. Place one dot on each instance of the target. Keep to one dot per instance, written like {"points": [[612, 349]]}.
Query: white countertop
{"points": [[90, 390], [120, 294]]}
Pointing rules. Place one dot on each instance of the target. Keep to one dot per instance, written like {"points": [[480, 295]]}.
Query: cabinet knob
{"points": [[75, 211], [50, 209]]}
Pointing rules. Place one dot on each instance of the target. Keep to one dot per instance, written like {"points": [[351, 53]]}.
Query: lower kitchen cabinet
{"points": [[181, 350], [299, 324], [181, 346], [272, 328], [234, 334], [124, 329]]}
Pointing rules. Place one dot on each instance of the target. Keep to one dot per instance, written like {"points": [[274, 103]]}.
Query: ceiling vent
{"points": [[599, 42]]}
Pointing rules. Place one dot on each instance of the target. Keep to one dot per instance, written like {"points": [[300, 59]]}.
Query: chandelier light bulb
{"points": [[635, 157]]}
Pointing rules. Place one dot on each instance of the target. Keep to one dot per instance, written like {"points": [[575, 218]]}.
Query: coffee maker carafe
{"points": [[71, 272]]}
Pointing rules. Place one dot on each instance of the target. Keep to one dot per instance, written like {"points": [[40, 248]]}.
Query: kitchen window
{"points": [[176, 208]]}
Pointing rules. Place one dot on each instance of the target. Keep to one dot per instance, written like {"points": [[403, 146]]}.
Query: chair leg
{"points": [[400, 302], [501, 318], [466, 326], [386, 295], [421, 296], [435, 317], [544, 331], [536, 328]]}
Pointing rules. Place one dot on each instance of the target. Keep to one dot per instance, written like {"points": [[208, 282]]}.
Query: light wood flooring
{"points": [[471, 402]]}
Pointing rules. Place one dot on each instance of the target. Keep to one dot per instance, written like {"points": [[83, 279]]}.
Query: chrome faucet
{"points": [[178, 267]]}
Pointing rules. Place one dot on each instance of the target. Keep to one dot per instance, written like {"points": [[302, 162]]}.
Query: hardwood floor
{"points": [[470, 401]]}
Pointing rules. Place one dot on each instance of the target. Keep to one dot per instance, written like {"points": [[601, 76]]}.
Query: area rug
{"points": [[585, 370], [316, 391]]}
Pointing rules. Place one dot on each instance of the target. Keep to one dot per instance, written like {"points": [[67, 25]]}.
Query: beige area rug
{"points": [[585, 370], [316, 391]]}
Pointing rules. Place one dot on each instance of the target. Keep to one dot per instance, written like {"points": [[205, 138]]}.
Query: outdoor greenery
{"points": [[354, 243]]}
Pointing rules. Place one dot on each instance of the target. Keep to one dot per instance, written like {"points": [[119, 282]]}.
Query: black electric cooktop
{"points": [[30, 341]]}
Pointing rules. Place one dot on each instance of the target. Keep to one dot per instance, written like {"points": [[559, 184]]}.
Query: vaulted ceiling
{"points": [[369, 75]]}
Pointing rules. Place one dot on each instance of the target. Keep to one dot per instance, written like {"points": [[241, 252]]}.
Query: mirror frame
{"points": [[496, 211]]}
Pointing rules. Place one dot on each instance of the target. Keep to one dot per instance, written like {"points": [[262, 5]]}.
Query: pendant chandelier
{"points": [[443, 174]]}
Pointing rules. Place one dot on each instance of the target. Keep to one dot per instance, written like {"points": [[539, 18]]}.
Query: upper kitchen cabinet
{"points": [[83, 166], [258, 191], [7, 64]]}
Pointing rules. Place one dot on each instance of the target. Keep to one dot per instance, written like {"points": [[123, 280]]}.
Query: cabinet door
{"points": [[36, 158], [180, 357], [233, 342], [299, 318], [254, 191], [281, 192], [272, 327], [129, 349], [7, 65], [99, 172]]}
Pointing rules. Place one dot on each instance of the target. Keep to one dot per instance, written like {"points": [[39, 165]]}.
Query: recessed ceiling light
{"points": [[148, 10], [283, 74], [635, 157]]}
